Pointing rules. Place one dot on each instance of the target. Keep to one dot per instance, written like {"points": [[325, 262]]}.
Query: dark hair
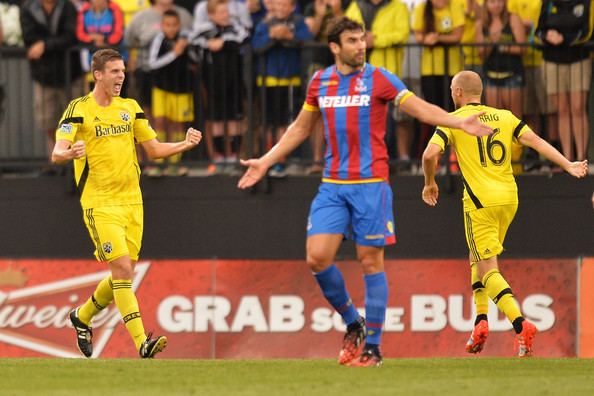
{"points": [[340, 24], [101, 57], [429, 18], [171, 13], [487, 18]]}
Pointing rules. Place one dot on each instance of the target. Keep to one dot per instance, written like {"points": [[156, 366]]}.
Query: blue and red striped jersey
{"points": [[354, 109]]}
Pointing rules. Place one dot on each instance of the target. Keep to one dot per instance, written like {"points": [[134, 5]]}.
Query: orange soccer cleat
{"points": [[476, 342], [524, 340], [352, 342], [369, 358]]}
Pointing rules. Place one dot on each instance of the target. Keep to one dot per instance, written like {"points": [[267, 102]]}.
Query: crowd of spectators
{"points": [[532, 55]]}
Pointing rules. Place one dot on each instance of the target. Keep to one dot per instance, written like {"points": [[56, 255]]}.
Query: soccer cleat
{"points": [[84, 334], [151, 346], [352, 341], [525, 338], [476, 342], [369, 358]]}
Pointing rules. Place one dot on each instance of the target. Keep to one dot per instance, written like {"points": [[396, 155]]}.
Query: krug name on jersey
{"points": [[112, 129], [344, 101]]}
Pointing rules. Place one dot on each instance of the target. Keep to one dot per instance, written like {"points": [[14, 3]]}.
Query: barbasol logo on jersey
{"points": [[344, 101], [112, 130]]}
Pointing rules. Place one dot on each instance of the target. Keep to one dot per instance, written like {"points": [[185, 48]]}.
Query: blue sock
{"points": [[332, 284], [376, 300]]}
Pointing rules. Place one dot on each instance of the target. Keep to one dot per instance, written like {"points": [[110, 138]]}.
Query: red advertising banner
{"points": [[274, 309], [586, 319]]}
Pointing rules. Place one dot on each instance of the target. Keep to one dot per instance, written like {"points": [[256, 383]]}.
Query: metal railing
{"points": [[22, 145]]}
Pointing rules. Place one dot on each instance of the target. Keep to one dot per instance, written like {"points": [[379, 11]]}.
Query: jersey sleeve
{"points": [[458, 17], [418, 24], [519, 126], [313, 89], [70, 122], [142, 128], [390, 87], [441, 137]]}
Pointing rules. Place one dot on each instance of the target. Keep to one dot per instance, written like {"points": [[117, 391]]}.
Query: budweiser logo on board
{"points": [[36, 317]]}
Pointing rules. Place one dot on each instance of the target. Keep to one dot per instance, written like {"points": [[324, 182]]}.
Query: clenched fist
{"points": [[193, 137], [78, 149]]}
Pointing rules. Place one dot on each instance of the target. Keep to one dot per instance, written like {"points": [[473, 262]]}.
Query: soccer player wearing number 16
{"points": [[490, 199], [355, 198], [99, 132]]}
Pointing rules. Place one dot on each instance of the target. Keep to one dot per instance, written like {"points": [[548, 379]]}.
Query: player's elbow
{"points": [[57, 159], [430, 154], [152, 155], [151, 151]]}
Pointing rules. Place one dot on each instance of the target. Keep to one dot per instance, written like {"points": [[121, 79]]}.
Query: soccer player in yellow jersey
{"points": [[490, 199], [99, 132]]}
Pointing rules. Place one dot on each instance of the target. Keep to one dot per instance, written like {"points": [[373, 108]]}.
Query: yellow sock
{"points": [[501, 294], [481, 298], [128, 306], [101, 298]]}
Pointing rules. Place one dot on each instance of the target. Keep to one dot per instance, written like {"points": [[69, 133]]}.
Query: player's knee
{"points": [[317, 262], [122, 268], [371, 266], [371, 260]]}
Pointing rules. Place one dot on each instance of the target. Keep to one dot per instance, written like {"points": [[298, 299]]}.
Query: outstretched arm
{"points": [[577, 169], [435, 115], [296, 133], [430, 158], [156, 149]]}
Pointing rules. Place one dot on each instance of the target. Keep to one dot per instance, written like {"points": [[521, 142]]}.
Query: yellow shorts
{"points": [[116, 231], [176, 107], [486, 228]]}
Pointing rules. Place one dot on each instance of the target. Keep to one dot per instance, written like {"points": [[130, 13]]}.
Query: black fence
{"points": [[241, 104]]}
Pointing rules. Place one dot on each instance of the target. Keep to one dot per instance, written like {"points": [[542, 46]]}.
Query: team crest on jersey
{"points": [[125, 116], [107, 248], [360, 85], [66, 128], [446, 24]]}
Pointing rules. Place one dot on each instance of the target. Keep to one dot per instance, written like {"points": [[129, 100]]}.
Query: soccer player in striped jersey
{"points": [[490, 199], [99, 131], [355, 198]]}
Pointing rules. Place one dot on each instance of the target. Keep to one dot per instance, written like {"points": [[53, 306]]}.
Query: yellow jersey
{"points": [[109, 173], [446, 20], [387, 33], [131, 7], [485, 162], [471, 55], [528, 10]]}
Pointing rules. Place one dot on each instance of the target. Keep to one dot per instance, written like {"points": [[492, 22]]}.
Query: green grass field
{"points": [[469, 376]]}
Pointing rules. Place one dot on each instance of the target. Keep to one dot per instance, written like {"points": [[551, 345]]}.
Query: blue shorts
{"points": [[361, 211], [513, 81]]}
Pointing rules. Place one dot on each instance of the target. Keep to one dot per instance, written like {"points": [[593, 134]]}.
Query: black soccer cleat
{"points": [[151, 346], [84, 334]]}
